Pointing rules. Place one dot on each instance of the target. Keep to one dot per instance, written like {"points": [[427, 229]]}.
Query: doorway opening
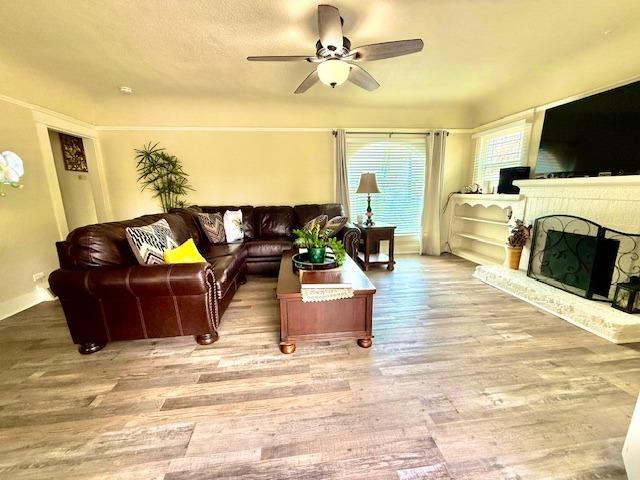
{"points": [[72, 158]]}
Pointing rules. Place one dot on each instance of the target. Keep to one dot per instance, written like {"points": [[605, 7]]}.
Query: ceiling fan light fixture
{"points": [[333, 72]]}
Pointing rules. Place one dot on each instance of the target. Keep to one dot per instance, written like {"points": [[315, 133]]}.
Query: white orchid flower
{"points": [[11, 167]]}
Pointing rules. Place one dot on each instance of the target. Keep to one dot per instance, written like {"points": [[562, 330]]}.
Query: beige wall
{"points": [[457, 163], [140, 110], [30, 84], [27, 227], [247, 167], [612, 61], [75, 188]]}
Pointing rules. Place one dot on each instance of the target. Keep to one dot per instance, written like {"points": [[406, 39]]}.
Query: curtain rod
{"points": [[335, 132]]}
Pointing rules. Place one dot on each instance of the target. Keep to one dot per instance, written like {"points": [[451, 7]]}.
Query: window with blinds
{"points": [[501, 148], [399, 164]]}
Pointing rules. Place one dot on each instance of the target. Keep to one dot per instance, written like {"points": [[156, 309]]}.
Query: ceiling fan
{"points": [[335, 58]]}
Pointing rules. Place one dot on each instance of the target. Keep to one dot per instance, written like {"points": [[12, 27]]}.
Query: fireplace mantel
{"points": [[581, 181]]}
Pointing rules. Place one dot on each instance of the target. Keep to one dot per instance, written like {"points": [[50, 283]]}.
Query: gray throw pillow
{"points": [[213, 226], [334, 225], [319, 220]]}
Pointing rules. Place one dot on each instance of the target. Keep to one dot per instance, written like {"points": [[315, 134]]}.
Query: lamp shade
{"points": [[368, 184]]}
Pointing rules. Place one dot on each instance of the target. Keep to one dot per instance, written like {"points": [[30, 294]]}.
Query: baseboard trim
{"points": [[28, 300]]}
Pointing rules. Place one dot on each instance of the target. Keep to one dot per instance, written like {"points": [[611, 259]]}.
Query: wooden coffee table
{"points": [[330, 320]]}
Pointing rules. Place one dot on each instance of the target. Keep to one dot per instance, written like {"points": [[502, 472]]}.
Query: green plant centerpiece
{"points": [[162, 173], [316, 241]]}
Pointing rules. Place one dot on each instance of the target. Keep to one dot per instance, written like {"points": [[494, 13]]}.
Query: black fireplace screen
{"points": [[582, 257]]}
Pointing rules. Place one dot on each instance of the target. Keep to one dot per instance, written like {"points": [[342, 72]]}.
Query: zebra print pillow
{"points": [[149, 242]]}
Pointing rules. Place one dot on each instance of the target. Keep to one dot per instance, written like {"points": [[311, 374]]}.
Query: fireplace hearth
{"points": [[581, 257]]}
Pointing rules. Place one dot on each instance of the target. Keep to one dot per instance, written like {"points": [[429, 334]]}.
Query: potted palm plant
{"points": [[520, 233], [162, 173], [316, 241]]}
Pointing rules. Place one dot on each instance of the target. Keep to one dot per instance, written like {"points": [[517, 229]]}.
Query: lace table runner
{"points": [[310, 294]]}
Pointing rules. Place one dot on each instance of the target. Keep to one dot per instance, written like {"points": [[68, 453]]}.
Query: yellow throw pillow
{"points": [[185, 253]]}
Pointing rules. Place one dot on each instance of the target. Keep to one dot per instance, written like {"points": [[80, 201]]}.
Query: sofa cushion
{"points": [[273, 222], [227, 260], [211, 252], [190, 217], [248, 227], [272, 247], [304, 213], [225, 270], [105, 244]]}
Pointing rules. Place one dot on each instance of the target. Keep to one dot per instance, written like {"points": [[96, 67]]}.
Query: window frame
{"points": [[382, 137], [481, 143]]}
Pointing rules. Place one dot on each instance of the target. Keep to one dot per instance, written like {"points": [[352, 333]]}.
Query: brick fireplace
{"points": [[578, 250]]}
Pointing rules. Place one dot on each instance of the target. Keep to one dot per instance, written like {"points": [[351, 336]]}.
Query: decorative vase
{"points": [[513, 257], [316, 254]]}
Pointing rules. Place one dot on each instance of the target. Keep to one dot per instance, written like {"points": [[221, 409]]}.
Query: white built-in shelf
{"points": [[479, 225], [481, 220], [478, 258], [482, 238], [490, 198]]}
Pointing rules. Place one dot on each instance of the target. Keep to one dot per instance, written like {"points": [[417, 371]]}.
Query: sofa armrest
{"points": [[350, 237], [102, 304], [139, 281]]}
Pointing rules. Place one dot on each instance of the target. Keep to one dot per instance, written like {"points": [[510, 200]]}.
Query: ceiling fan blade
{"points": [[361, 78], [308, 82], [378, 51], [283, 58], [330, 27]]}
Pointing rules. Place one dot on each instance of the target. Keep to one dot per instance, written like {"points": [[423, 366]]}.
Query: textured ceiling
{"points": [[197, 48]]}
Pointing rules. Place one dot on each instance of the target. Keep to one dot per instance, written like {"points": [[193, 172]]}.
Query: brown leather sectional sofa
{"points": [[106, 295]]}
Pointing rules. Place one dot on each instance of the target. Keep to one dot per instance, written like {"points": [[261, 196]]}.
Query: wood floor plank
{"points": [[463, 382]]}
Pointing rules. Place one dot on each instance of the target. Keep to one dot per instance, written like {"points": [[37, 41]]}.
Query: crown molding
{"points": [[46, 113], [47, 116], [523, 116], [176, 128], [166, 128]]}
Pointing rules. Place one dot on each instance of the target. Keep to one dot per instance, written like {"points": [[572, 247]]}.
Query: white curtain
{"points": [[342, 180], [431, 213]]}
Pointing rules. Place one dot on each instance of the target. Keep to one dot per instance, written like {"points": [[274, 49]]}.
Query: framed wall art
{"points": [[73, 153]]}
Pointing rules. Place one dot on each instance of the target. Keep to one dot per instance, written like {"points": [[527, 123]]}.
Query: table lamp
{"points": [[368, 185]]}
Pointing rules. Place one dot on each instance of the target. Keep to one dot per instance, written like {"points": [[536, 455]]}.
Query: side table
{"points": [[371, 236]]}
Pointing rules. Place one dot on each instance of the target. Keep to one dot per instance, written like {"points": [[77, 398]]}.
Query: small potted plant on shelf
{"points": [[316, 241], [520, 233]]}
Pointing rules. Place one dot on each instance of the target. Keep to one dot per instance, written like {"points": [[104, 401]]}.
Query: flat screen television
{"points": [[597, 135]]}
